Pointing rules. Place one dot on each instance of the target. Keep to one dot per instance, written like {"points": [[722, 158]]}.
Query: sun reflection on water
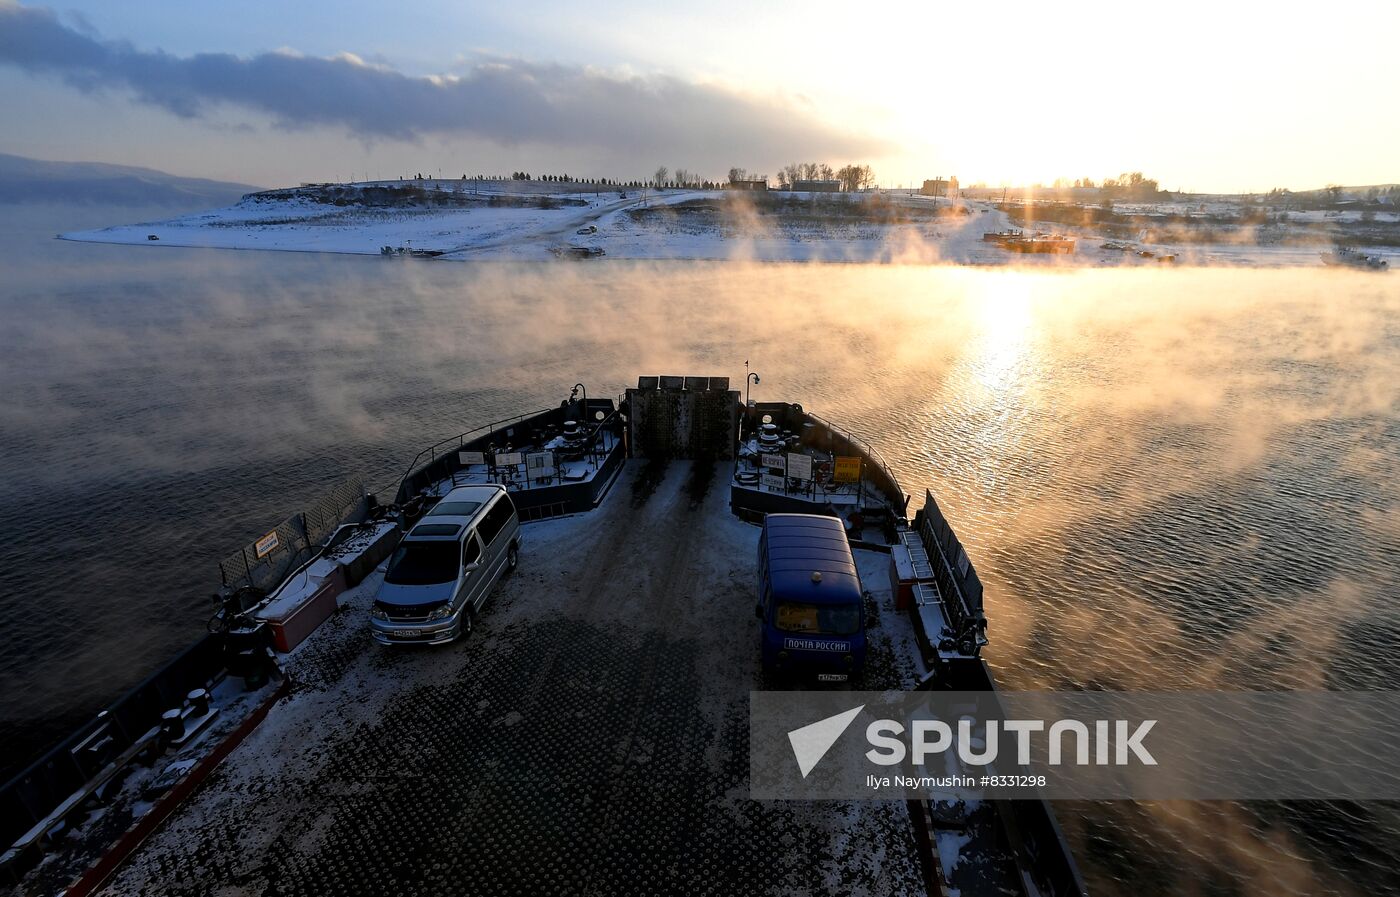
{"points": [[1005, 319]]}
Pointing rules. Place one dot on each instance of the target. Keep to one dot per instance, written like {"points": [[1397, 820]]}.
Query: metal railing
{"points": [[868, 450], [512, 477], [460, 440]]}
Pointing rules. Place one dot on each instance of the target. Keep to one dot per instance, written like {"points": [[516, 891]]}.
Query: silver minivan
{"points": [[443, 570]]}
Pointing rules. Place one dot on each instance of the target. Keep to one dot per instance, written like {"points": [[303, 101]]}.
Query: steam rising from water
{"points": [[1168, 479]]}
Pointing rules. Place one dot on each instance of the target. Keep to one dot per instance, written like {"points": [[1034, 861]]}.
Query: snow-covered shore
{"points": [[633, 224]]}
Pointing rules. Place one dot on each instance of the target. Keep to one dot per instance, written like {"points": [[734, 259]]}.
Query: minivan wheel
{"points": [[464, 628], [512, 558]]}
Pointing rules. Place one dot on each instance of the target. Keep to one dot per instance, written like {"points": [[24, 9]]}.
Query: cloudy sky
{"points": [[1208, 96]]}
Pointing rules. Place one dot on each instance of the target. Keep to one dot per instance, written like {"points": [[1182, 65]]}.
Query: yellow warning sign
{"points": [[847, 469]]}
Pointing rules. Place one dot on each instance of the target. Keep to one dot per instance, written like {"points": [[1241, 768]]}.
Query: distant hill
{"points": [[24, 180]]}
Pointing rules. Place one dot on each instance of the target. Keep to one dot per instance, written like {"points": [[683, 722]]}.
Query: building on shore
{"points": [[817, 186], [749, 184]]}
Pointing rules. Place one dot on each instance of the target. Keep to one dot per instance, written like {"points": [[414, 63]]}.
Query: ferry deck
{"points": [[589, 737]]}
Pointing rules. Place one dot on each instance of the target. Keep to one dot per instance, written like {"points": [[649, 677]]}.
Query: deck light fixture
{"points": [[573, 394]]}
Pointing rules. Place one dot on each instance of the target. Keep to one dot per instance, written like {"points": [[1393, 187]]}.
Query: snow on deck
{"points": [[72, 853], [292, 594], [589, 737]]}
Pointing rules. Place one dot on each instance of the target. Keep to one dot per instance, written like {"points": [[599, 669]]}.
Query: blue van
{"points": [[809, 599]]}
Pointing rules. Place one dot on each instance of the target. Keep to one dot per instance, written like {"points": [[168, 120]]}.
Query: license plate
{"points": [[831, 677], [409, 633]]}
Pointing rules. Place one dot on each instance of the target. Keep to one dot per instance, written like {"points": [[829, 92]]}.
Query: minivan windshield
{"points": [[818, 619], [423, 563]]}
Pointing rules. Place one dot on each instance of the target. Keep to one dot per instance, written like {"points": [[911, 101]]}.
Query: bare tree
{"points": [[659, 178], [683, 177], [849, 176], [737, 174], [824, 172], [855, 177]]}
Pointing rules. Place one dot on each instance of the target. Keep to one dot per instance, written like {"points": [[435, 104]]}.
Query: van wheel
{"points": [[464, 629], [512, 558]]}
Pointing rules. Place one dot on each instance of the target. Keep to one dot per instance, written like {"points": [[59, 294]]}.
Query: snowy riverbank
{"points": [[631, 224]]}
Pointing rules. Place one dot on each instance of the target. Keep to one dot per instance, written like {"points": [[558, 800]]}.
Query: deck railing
{"points": [[439, 452], [460, 440], [869, 451]]}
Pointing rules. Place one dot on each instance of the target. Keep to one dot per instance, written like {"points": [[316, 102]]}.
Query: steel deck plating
{"points": [[589, 737]]}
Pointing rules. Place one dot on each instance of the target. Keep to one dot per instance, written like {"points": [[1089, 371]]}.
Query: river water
{"points": [[1168, 479]]}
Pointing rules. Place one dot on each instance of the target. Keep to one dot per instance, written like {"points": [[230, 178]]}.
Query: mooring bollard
{"points": [[173, 724], [199, 700]]}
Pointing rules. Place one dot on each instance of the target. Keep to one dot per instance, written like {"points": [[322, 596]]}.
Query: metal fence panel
{"points": [[296, 536], [341, 503]]}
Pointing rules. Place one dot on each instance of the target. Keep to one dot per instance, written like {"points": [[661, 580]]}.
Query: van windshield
{"points": [[423, 563], [818, 619]]}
